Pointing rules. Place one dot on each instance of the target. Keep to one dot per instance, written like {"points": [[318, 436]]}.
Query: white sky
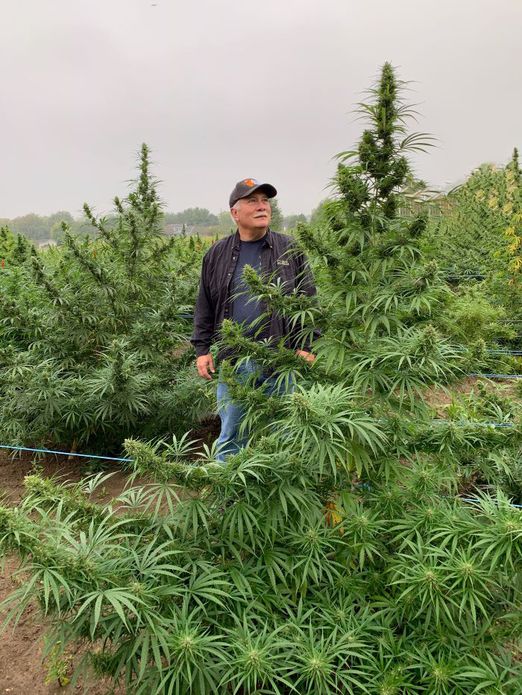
{"points": [[227, 89]]}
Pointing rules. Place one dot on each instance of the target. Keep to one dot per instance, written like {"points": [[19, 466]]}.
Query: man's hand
{"points": [[205, 365], [308, 356]]}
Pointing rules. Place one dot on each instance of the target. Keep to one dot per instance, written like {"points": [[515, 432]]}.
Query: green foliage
{"points": [[469, 236], [94, 334], [277, 222], [378, 294], [248, 585], [192, 216], [224, 226], [332, 554], [14, 249], [38, 228], [476, 237], [291, 221], [482, 327], [58, 667]]}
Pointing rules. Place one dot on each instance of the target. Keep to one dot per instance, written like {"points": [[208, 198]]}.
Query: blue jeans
{"points": [[230, 441]]}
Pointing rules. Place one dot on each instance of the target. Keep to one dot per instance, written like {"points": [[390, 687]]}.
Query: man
{"points": [[223, 294]]}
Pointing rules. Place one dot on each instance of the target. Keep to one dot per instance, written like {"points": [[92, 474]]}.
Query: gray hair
{"points": [[235, 207]]}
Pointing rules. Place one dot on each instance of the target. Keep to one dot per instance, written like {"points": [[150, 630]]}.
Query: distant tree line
{"points": [[40, 228], [199, 217]]}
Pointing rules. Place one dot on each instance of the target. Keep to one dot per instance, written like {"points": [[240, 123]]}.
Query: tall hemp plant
{"points": [[93, 334], [467, 235], [331, 555], [476, 239], [507, 281]]}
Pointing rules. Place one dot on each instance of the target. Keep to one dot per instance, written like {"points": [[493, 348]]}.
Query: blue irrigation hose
{"points": [[113, 458], [438, 421], [63, 453]]}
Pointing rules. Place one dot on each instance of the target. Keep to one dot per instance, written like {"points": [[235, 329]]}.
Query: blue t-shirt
{"points": [[245, 309]]}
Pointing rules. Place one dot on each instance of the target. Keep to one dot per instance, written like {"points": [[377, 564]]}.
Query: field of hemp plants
{"points": [[340, 551]]}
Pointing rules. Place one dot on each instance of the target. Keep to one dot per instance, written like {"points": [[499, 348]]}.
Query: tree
{"points": [[32, 226], [224, 226], [316, 216], [291, 221], [199, 217], [277, 216]]}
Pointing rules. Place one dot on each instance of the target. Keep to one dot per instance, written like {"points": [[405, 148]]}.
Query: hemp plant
{"points": [[94, 334], [332, 554], [476, 238]]}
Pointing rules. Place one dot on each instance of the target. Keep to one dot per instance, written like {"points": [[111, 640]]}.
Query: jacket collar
{"points": [[268, 239]]}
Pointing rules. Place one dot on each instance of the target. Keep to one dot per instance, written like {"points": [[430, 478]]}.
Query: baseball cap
{"points": [[245, 187]]}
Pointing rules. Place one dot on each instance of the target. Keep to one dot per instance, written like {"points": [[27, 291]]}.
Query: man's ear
{"points": [[233, 212]]}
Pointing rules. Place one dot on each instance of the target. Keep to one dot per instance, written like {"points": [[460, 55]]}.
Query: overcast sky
{"points": [[227, 89]]}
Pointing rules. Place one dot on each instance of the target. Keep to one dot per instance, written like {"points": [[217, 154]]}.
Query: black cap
{"points": [[244, 188]]}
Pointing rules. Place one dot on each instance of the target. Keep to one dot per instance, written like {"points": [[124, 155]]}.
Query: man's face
{"points": [[253, 212]]}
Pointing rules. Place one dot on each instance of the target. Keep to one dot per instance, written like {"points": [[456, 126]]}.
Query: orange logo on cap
{"points": [[250, 182]]}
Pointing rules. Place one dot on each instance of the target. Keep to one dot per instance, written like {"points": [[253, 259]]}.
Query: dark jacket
{"points": [[279, 259]]}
